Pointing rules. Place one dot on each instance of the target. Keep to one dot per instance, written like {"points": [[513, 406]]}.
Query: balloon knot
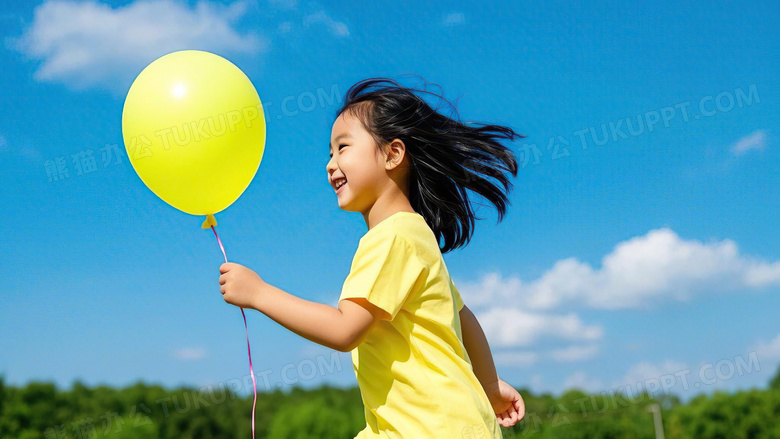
{"points": [[210, 221]]}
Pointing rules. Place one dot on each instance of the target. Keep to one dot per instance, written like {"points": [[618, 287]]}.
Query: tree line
{"points": [[39, 410]]}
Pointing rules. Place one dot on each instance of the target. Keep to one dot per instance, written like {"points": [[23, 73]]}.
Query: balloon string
{"points": [[249, 350]]}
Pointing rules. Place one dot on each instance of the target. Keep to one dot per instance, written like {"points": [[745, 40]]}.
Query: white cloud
{"points": [[515, 358], [515, 327], [755, 140], [638, 378], [454, 19], [768, 350], [575, 353], [491, 289], [760, 274], [659, 265], [536, 382], [644, 372], [579, 380], [527, 358], [336, 27], [637, 271], [189, 353], [86, 44]]}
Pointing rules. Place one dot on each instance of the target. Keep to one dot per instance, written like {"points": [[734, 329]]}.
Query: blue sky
{"points": [[640, 249]]}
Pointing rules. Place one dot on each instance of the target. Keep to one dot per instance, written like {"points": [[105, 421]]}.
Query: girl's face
{"points": [[356, 158]]}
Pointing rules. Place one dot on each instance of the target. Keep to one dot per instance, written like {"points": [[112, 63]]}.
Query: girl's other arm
{"points": [[507, 403], [478, 349]]}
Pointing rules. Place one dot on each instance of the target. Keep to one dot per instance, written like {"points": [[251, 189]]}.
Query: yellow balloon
{"points": [[194, 130]]}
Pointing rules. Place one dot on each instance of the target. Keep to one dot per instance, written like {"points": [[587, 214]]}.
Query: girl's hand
{"points": [[240, 286], [507, 403]]}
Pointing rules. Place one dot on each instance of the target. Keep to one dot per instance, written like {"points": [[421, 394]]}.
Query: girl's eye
{"points": [[331, 155]]}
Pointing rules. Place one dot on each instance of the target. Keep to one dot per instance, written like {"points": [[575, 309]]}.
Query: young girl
{"points": [[422, 362]]}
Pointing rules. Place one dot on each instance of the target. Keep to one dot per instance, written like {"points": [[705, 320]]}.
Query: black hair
{"points": [[446, 156]]}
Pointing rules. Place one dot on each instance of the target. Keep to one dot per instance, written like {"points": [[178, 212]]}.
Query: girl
{"points": [[422, 362]]}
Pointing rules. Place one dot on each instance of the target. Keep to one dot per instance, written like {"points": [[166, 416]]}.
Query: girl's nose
{"points": [[330, 166]]}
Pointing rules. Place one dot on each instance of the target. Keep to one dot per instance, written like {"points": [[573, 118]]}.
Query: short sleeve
{"points": [[384, 271], [456, 296]]}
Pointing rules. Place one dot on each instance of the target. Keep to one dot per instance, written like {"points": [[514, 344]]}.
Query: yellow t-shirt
{"points": [[414, 374]]}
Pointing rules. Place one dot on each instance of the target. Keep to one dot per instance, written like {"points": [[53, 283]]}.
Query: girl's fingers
{"points": [[508, 422], [520, 414]]}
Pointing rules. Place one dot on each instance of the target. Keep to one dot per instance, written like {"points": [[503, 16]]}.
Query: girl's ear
{"points": [[395, 154]]}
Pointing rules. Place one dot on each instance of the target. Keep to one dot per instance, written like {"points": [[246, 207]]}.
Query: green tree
{"points": [[146, 411], [775, 382], [751, 414]]}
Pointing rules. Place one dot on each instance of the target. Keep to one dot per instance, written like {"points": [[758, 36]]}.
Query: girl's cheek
{"points": [[346, 165]]}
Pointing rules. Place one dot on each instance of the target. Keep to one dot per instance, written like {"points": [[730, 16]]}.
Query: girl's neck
{"points": [[377, 213]]}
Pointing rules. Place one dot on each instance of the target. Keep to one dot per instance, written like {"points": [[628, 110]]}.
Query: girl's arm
{"points": [[341, 328], [478, 349]]}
